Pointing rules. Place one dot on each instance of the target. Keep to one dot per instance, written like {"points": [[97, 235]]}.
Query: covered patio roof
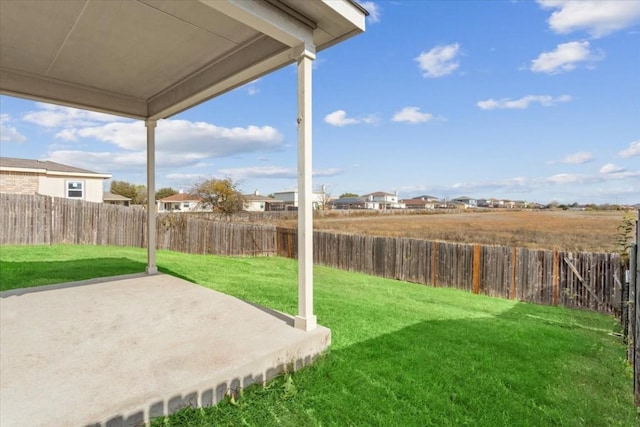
{"points": [[151, 59]]}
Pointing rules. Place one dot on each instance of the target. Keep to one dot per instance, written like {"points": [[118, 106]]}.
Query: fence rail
{"points": [[572, 279]]}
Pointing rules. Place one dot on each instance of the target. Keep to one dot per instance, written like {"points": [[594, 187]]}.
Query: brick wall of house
{"points": [[18, 183]]}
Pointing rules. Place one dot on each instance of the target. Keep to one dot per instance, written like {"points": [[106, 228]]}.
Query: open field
{"points": [[402, 354], [588, 231]]}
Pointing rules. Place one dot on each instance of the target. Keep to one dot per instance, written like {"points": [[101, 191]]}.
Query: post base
{"points": [[305, 323]]}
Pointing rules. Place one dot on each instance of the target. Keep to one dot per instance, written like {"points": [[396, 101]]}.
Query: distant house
{"points": [[349, 203], [427, 198], [180, 202], [289, 199], [27, 176], [467, 202], [420, 203], [491, 203], [115, 199], [257, 203], [384, 200], [483, 203]]}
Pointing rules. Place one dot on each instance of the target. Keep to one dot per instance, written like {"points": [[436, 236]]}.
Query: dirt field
{"points": [[566, 230]]}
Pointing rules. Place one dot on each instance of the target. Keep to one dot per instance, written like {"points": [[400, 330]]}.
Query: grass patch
{"points": [[402, 354]]}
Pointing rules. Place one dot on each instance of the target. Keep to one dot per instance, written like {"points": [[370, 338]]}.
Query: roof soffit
{"points": [[155, 58]]}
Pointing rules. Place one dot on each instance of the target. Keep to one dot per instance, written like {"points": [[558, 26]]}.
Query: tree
{"points": [[624, 238], [165, 192], [221, 195], [324, 197], [345, 195], [124, 189], [137, 193], [141, 195]]}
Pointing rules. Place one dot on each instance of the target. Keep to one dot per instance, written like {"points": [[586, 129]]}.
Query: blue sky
{"points": [[522, 100]]}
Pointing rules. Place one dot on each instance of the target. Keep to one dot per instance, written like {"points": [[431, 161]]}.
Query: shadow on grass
{"points": [[17, 275], [492, 371], [176, 274]]}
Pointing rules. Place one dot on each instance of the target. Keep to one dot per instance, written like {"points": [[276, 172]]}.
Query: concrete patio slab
{"points": [[119, 351]]}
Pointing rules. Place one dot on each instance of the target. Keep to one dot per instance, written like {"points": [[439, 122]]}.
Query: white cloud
{"points": [[339, 118], [597, 17], [632, 151], [52, 116], [185, 178], [569, 178], [522, 103], [9, 133], [327, 172], [373, 9], [623, 175], [273, 172], [565, 57], [512, 185], [611, 168], [181, 137], [179, 143], [439, 61], [412, 115], [578, 158], [100, 161], [580, 179]]}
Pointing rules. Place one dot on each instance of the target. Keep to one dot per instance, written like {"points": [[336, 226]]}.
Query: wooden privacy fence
{"points": [[35, 219], [585, 280], [572, 279], [182, 233]]}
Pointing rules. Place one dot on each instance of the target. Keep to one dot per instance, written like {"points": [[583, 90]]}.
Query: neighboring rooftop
{"points": [[111, 197], [180, 197], [258, 198], [42, 165], [378, 194]]}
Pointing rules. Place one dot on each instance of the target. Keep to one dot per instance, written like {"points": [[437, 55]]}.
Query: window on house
{"points": [[186, 205], [75, 189]]}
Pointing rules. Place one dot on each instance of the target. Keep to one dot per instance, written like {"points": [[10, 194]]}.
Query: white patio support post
{"points": [[305, 320], [151, 196]]}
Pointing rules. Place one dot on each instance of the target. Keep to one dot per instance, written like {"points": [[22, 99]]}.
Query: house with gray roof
{"points": [[28, 176]]}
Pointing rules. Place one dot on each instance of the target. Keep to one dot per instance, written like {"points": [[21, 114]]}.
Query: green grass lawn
{"points": [[402, 354]]}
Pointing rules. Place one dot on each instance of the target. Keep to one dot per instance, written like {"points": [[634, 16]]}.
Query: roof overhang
{"points": [[151, 59], [55, 173]]}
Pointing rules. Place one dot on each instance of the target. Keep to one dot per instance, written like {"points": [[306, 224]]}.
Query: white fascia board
{"points": [[79, 174], [39, 88], [348, 11], [265, 19], [23, 170]]}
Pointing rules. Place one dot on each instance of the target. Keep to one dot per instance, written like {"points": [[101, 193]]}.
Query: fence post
{"points": [[48, 216], [476, 268], [514, 273], [556, 276], [434, 264], [634, 285]]}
